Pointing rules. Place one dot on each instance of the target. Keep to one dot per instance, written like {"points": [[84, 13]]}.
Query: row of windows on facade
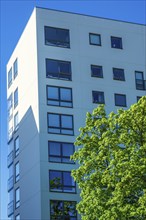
{"points": [[13, 72], [61, 38], [58, 69]]}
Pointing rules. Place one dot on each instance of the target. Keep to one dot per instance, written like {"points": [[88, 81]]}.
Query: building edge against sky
{"points": [[64, 65]]}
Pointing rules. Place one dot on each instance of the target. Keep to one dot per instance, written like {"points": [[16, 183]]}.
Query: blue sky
{"points": [[13, 18]]}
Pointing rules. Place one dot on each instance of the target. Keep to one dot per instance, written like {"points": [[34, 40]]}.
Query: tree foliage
{"points": [[112, 164]]}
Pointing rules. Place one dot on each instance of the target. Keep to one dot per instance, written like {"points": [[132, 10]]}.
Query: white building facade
{"points": [[64, 65]]}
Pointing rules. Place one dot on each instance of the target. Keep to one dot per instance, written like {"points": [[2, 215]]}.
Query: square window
{"points": [[9, 77], [57, 37], [98, 97], [61, 181], [16, 98], [116, 42], [120, 100], [59, 96], [118, 74], [15, 67], [96, 71], [60, 152], [95, 39], [139, 80], [63, 210], [60, 124], [57, 69]]}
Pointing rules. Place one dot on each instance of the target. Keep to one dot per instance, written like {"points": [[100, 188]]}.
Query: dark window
{"points": [[63, 210], [60, 124], [15, 67], [60, 152], [96, 71], [138, 97], [16, 98], [16, 146], [95, 39], [116, 42], [59, 96], [10, 77], [118, 74], [17, 172], [58, 69], [98, 97], [139, 80], [57, 37], [120, 100], [17, 197], [61, 181]]}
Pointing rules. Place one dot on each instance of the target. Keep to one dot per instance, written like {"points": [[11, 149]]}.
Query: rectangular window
{"points": [[139, 80], [116, 42], [16, 98], [63, 210], [17, 198], [9, 77], [61, 181], [96, 71], [17, 217], [16, 146], [10, 129], [95, 39], [59, 96], [15, 68], [120, 100], [10, 210], [10, 106], [138, 97], [98, 97], [16, 122], [60, 124], [57, 37], [60, 152], [17, 172], [57, 69], [118, 74]]}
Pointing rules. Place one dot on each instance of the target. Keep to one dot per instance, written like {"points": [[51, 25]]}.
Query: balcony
{"points": [[10, 158], [10, 183], [10, 208], [140, 84]]}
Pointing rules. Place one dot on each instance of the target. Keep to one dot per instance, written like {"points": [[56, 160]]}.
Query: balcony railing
{"points": [[10, 208], [10, 183], [10, 158]]}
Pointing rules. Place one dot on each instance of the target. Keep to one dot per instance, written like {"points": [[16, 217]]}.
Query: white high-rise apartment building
{"points": [[64, 65]]}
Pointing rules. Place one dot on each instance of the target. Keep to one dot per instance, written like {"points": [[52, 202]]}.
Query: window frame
{"points": [[10, 79], [17, 175], [63, 205], [17, 217], [62, 189], [99, 93], [61, 156], [142, 80], [16, 98], [98, 67], [57, 41], [121, 105], [117, 38], [17, 202], [119, 78], [15, 68], [59, 73], [94, 34], [16, 125], [16, 149], [60, 124], [59, 95]]}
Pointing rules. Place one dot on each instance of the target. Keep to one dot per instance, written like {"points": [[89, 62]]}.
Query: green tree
{"points": [[112, 164]]}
